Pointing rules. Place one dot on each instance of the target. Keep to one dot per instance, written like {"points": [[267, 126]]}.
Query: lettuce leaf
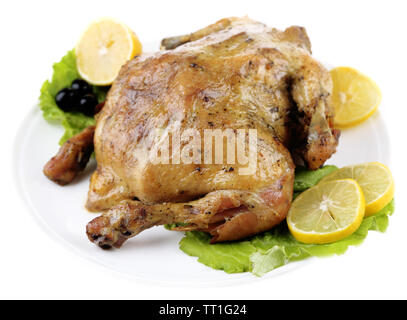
{"points": [[305, 178], [233, 257], [172, 226], [277, 247], [65, 72], [275, 250]]}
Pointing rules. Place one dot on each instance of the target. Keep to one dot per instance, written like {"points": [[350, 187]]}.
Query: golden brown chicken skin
{"points": [[71, 158], [237, 74]]}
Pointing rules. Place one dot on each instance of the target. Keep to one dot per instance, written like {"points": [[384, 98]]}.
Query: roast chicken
{"points": [[236, 74]]}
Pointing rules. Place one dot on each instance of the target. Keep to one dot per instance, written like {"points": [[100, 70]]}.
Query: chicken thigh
{"points": [[236, 75]]}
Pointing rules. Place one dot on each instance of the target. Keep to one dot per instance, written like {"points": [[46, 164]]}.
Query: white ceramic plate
{"points": [[152, 256]]}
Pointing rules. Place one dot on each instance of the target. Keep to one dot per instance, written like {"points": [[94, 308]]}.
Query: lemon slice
{"points": [[374, 178], [327, 212], [355, 96], [103, 48]]}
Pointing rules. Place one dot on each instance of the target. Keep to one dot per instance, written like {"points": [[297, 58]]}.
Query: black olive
{"points": [[81, 87], [66, 99], [87, 104]]}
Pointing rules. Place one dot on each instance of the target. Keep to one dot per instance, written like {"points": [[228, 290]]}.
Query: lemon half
{"points": [[103, 48], [374, 178], [355, 96], [327, 212]]}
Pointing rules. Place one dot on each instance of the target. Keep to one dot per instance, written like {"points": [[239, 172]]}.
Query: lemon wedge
{"points": [[374, 178], [103, 48], [327, 212], [355, 96]]}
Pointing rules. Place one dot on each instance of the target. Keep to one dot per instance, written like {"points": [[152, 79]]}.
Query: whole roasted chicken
{"points": [[236, 74]]}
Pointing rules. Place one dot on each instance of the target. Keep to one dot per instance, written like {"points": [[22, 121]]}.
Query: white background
{"points": [[368, 35]]}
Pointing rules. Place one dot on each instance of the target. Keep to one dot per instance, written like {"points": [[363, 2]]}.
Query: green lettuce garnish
{"points": [[172, 226], [277, 247], [305, 178], [65, 72], [232, 257]]}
